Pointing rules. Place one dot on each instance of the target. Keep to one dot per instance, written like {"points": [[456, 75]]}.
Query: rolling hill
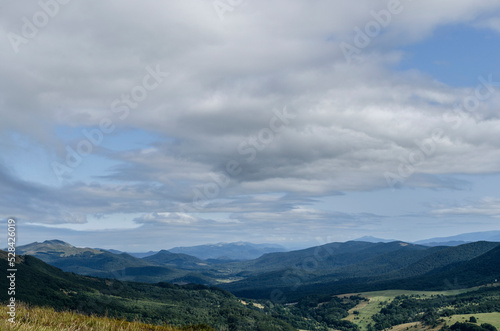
{"points": [[104, 264], [41, 284], [441, 257], [79, 260], [335, 267], [493, 236], [180, 260], [480, 270], [383, 266], [298, 287], [324, 258]]}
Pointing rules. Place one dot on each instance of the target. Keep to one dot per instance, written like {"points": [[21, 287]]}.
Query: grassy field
{"points": [[46, 319], [490, 318], [415, 326], [379, 299]]}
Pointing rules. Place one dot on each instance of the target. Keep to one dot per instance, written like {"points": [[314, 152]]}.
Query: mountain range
{"points": [[235, 251], [122, 266], [358, 266], [462, 239], [43, 285], [305, 279], [229, 251], [356, 263]]}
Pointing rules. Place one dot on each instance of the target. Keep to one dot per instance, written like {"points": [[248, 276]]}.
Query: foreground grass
{"points": [[47, 319], [379, 299]]}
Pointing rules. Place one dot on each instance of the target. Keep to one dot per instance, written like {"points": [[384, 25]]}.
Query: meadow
{"points": [[362, 314], [490, 318], [47, 319]]}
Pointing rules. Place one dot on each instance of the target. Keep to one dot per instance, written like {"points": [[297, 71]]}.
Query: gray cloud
{"points": [[351, 123], [487, 206]]}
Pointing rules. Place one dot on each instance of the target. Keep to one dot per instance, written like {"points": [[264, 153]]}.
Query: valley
{"points": [[389, 284]]}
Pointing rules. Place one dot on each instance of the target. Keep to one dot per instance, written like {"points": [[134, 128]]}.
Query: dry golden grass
{"points": [[46, 319]]}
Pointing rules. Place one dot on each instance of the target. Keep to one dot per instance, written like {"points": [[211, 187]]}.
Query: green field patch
{"points": [[362, 313], [490, 318]]}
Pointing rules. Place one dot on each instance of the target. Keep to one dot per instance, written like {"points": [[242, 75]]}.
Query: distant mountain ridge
{"points": [[492, 236], [371, 239], [456, 240], [104, 264], [139, 255], [337, 267], [360, 266], [229, 251], [165, 257]]}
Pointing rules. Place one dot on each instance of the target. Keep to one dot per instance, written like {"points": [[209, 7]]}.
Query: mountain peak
{"points": [[56, 242], [371, 239]]}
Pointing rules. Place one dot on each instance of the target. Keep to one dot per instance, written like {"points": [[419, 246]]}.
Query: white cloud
{"points": [[487, 206], [353, 122], [168, 218]]}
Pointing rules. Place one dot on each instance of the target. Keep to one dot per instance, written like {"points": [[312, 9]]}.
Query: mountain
{"points": [[480, 270], [85, 261], [492, 236], [445, 243], [335, 267], [310, 278], [320, 258], [41, 284], [441, 257], [102, 263], [114, 251], [371, 239], [229, 251], [179, 260], [332, 262], [140, 255], [355, 266]]}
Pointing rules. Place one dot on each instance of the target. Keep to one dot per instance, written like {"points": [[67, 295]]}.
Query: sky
{"points": [[148, 125]]}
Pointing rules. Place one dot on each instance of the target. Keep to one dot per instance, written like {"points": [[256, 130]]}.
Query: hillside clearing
{"points": [[490, 318], [379, 299]]}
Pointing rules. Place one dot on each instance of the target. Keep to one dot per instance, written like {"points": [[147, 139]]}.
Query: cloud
{"points": [[227, 79], [168, 218], [487, 206], [492, 23]]}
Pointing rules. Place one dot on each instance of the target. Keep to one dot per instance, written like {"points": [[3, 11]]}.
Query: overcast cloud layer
{"points": [[188, 122]]}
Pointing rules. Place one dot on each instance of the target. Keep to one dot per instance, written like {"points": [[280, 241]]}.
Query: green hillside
{"points": [[445, 256], [44, 285], [100, 263], [332, 268], [440, 267], [481, 270], [178, 260]]}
